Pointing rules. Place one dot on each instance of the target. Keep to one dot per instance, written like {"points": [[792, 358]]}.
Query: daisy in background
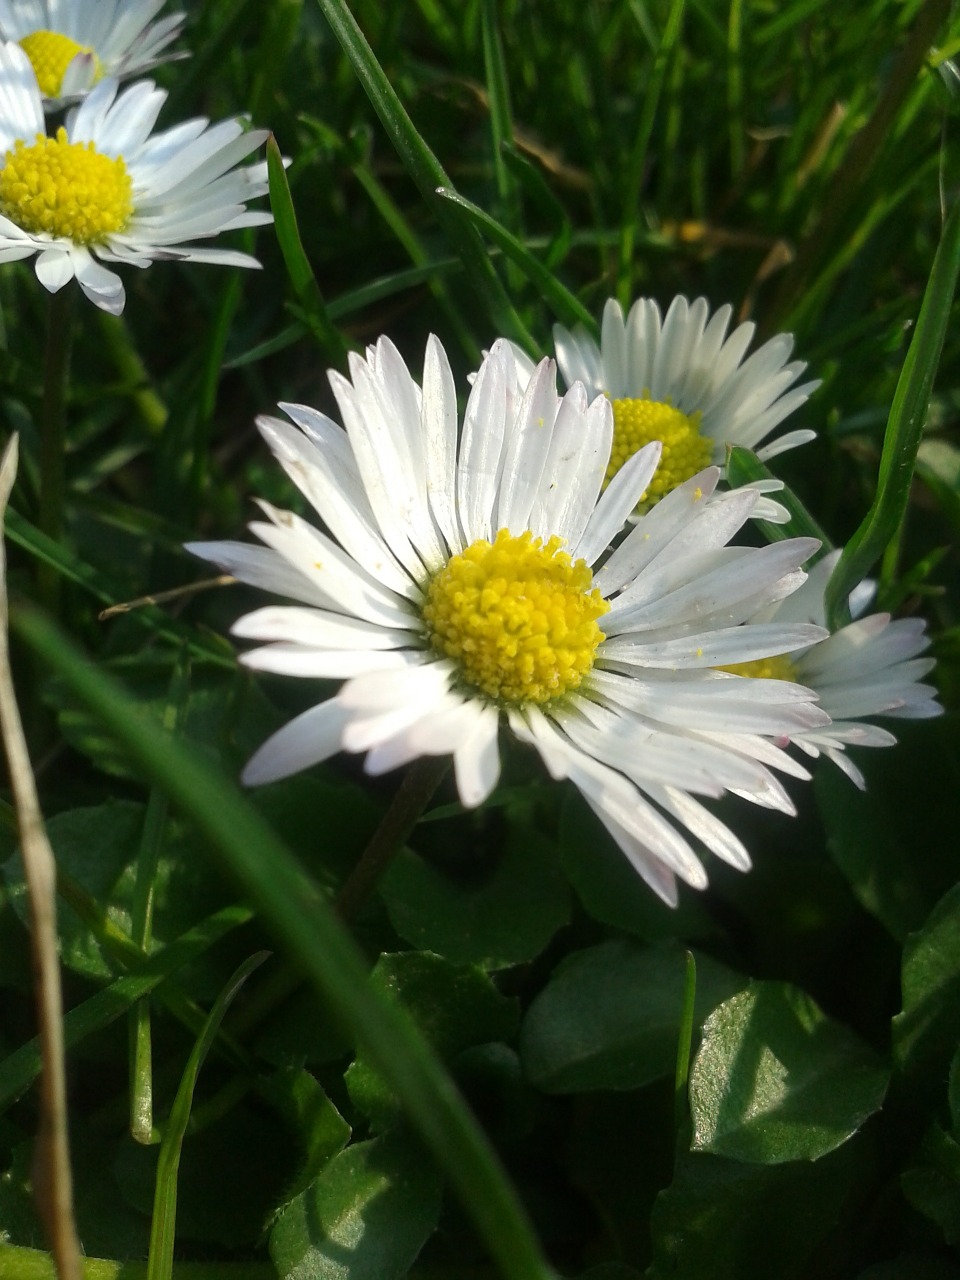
{"points": [[459, 589], [871, 667], [683, 380], [72, 44], [108, 189]]}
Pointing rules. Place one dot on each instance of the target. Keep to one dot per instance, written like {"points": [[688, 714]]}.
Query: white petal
{"points": [[309, 739]]}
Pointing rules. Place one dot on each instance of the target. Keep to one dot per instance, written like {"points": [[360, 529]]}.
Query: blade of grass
{"points": [[684, 1043], [297, 912], [424, 167], [295, 260], [164, 1222], [19, 1069], [141, 926], [501, 118], [744, 467], [566, 306], [904, 427]]}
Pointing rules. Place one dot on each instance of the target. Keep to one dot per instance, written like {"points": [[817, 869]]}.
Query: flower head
{"points": [[871, 667], [107, 189], [72, 44], [681, 380], [462, 587]]}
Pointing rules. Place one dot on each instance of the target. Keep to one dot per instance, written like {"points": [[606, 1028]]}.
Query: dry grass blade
{"points": [[52, 1180]]}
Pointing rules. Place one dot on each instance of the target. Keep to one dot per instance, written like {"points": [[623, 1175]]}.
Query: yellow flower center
{"points": [[518, 616], [778, 668], [685, 450], [50, 54], [65, 189]]}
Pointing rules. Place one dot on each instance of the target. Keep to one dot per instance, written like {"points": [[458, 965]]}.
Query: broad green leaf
{"points": [[775, 1079], [724, 1220], [872, 834], [926, 1031], [501, 913], [319, 1126], [610, 1016], [932, 1184], [366, 1216], [454, 1006], [96, 847]]}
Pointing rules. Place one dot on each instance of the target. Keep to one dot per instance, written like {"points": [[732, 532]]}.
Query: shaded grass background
{"points": [[630, 148]]}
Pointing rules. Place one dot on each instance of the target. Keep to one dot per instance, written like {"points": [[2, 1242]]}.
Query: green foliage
{"points": [[610, 1016], [494, 1094], [776, 1080]]}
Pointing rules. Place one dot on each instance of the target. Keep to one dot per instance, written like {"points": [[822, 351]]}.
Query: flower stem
{"points": [[56, 374], [409, 801]]}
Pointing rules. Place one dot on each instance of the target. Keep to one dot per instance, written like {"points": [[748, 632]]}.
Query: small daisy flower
{"points": [[107, 189], [457, 588], [72, 44], [681, 380], [868, 668]]}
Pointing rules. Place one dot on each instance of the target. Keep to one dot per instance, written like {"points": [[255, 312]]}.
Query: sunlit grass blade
{"points": [[567, 308], [424, 167], [164, 1223], [301, 275], [744, 467], [904, 427], [291, 905]]}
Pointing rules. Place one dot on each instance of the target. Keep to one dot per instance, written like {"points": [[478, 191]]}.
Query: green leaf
{"points": [[724, 1220], [932, 1185], [904, 427], [320, 1127], [926, 1031], [96, 847], [454, 1006], [505, 914], [872, 834], [610, 1016], [367, 1216], [775, 1079]]}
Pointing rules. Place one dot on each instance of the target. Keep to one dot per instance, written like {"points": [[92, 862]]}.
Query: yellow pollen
{"points": [[518, 616], [66, 189], [778, 668], [50, 54], [685, 450]]}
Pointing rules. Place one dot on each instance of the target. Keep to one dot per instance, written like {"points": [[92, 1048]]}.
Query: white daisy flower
{"points": [[106, 189], [681, 380], [72, 44], [456, 588], [868, 668]]}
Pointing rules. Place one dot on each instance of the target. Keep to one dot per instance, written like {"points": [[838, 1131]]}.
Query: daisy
{"points": [[870, 667], [106, 189], [458, 589], [681, 380], [72, 44]]}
